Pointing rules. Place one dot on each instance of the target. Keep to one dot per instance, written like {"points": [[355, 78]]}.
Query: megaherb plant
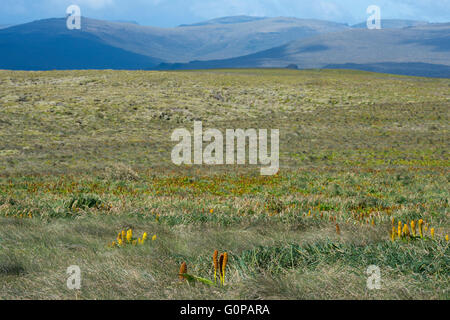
{"points": [[126, 238], [219, 264], [403, 232]]}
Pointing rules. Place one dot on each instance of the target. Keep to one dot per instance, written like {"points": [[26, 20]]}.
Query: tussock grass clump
{"points": [[10, 265], [426, 259], [84, 201], [120, 171]]}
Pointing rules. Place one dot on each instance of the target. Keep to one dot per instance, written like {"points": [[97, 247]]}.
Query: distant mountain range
{"points": [[393, 24], [402, 46], [423, 50]]}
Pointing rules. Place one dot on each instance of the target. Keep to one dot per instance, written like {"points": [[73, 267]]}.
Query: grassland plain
{"points": [[86, 154]]}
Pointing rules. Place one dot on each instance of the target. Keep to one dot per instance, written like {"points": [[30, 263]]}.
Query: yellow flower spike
{"points": [[399, 231], [123, 235], [113, 244], [432, 233], [309, 213], [420, 228], [373, 222], [154, 238], [144, 236], [120, 242], [129, 235], [393, 234], [446, 237], [405, 230], [413, 228], [211, 211], [393, 221]]}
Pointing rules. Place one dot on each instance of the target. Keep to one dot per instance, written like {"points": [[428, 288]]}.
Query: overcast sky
{"points": [[169, 13]]}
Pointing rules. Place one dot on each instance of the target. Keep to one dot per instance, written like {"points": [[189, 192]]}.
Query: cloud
{"points": [[87, 4], [209, 9], [319, 9], [95, 4]]}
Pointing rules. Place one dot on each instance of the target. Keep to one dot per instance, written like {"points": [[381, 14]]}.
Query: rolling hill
{"points": [[393, 24], [50, 46], [147, 46], [421, 50]]}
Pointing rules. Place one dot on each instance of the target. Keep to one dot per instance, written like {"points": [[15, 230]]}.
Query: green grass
{"points": [[86, 154]]}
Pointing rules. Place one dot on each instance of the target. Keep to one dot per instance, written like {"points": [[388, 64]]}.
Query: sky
{"points": [[170, 13]]}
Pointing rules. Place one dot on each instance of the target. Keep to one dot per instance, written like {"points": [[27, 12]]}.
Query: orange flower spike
{"points": [[224, 266], [183, 270], [221, 268], [338, 230], [216, 264]]}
